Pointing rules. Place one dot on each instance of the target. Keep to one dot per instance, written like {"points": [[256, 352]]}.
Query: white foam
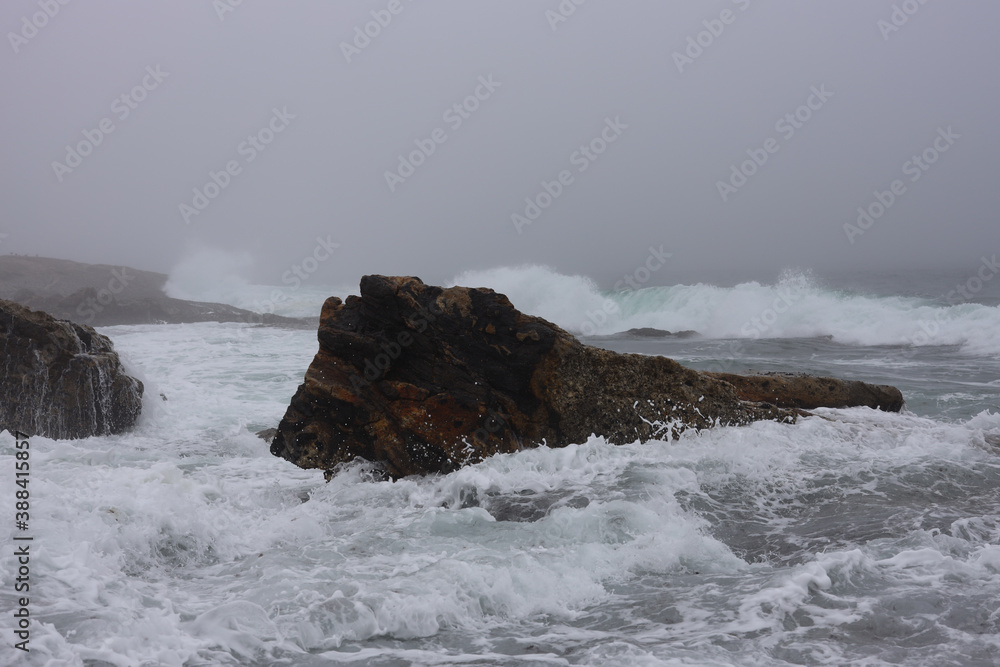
{"points": [[206, 274], [794, 306], [187, 542], [540, 291], [218, 276]]}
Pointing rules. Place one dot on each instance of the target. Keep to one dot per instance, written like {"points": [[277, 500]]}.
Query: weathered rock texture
{"points": [[422, 379], [808, 392], [61, 380]]}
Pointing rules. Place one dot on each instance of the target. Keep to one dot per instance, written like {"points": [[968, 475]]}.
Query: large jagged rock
{"points": [[61, 380], [423, 379], [807, 392]]}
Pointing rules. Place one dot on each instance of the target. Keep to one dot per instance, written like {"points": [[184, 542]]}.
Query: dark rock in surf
{"points": [[649, 332], [423, 379], [61, 380], [806, 392]]}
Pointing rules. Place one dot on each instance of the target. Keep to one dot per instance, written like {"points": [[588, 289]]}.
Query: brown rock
{"points": [[423, 379], [61, 380], [806, 392]]}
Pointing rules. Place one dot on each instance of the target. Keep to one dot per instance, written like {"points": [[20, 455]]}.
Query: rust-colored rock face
{"points": [[808, 392], [424, 379], [61, 380]]}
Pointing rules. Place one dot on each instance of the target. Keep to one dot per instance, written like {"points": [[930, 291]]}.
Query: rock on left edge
{"points": [[61, 380]]}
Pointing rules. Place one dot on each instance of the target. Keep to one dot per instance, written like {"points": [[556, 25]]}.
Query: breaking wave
{"points": [[796, 305]]}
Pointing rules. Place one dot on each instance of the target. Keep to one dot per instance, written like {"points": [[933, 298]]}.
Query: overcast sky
{"points": [[313, 117]]}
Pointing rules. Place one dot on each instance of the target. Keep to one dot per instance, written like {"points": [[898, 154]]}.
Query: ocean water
{"points": [[853, 537]]}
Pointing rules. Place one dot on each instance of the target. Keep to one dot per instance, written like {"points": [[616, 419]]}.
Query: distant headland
{"points": [[107, 295]]}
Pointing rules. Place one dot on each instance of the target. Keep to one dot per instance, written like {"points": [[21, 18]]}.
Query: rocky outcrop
{"points": [[808, 392], [99, 308], [61, 380], [649, 332], [424, 379], [101, 295]]}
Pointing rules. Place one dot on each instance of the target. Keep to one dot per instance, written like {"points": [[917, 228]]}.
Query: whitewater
{"points": [[852, 537]]}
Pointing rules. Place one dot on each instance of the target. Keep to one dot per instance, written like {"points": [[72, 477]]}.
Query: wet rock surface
{"points": [[807, 392], [424, 379], [61, 380]]}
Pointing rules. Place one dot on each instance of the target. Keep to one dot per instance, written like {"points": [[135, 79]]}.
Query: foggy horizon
{"points": [[705, 368], [739, 138]]}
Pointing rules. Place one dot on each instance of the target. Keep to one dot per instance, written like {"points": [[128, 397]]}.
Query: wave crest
{"points": [[794, 306]]}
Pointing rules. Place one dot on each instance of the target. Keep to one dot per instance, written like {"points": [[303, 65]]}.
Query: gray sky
{"points": [[676, 118]]}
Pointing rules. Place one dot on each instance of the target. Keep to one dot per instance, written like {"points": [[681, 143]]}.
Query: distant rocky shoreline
{"points": [[102, 295], [59, 378]]}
